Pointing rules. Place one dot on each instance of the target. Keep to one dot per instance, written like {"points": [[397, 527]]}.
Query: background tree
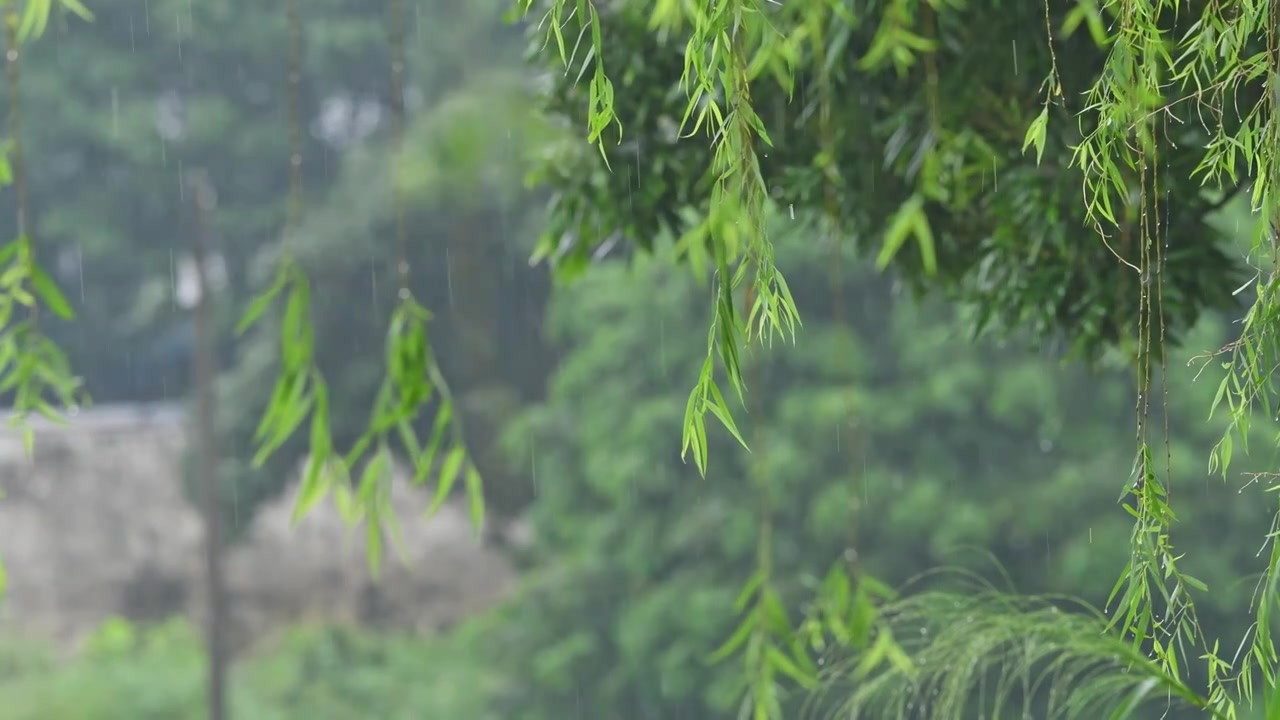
{"points": [[883, 436], [917, 151]]}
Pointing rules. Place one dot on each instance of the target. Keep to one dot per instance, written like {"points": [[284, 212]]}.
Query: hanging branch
{"points": [[17, 170], [32, 366], [413, 379], [729, 43], [300, 389]]}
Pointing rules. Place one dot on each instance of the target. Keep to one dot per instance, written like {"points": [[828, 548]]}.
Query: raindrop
{"points": [[533, 466], [448, 274], [404, 293], [662, 342], [792, 207], [80, 270], [173, 279]]}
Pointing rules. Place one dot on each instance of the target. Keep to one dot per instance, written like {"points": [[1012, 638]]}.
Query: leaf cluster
{"points": [[929, 109]]}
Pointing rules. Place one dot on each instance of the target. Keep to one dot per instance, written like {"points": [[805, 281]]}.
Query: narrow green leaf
{"points": [[924, 238], [47, 290], [428, 458], [258, 307], [780, 661], [373, 545], [367, 489], [748, 591], [475, 496], [717, 408], [34, 19], [774, 612], [346, 504], [1195, 583], [1037, 133], [76, 7], [314, 487], [730, 646], [899, 229], [448, 476]]}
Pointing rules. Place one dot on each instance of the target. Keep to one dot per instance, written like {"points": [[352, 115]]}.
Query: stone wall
{"points": [[96, 525]]}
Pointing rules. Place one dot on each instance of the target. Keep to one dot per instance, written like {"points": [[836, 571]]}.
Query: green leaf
{"points": [[780, 661], [448, 476], [47, 290], [748, 590], [1194, 582], [34, 19], [373, 545], [428, 457], [924, 238], [903, 224], [475, 496], [346, 504], [735, 641], [717, 408], [259, 306], [76, 7], [1036, 134], [314, 487], [374, 471]]}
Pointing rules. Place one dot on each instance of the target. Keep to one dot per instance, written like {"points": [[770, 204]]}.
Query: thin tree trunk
{"points": [[204, 371]]}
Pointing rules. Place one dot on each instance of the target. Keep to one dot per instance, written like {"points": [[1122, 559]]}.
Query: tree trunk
{"points": [[204, 370]]}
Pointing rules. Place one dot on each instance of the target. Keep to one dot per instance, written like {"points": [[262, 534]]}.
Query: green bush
{"points": [[308, 673]]}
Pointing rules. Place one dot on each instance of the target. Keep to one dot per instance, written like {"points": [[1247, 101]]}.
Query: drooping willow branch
{"points": [[411, 378], [32, 367]]}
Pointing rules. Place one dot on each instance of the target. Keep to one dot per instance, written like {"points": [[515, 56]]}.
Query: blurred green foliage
{"points": [[883, 439], [883, 436], [310, 673]]}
